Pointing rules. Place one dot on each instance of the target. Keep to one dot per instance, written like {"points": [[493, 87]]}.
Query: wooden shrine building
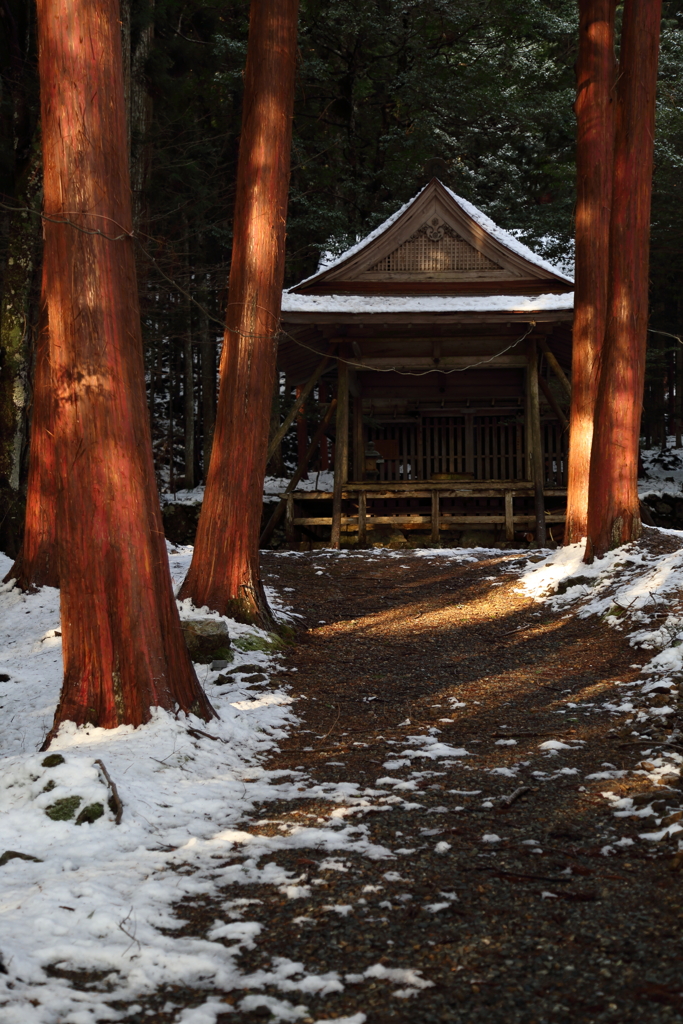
{"points": [[449, 348]]}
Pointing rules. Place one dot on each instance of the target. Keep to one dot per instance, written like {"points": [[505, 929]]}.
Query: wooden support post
{"points": [[536, 442], [469, 444], [509, 517], [289, 520], [301, 469], [555, 366], [545, 387], [298, 402], [435, 516], [362, 520], [341, 449], [358, 439]]}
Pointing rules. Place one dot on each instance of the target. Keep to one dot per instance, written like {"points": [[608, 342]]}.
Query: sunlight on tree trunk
{"points": [[36, 564], [123, 647], [613, 507], [225, 567], [594, 157]]}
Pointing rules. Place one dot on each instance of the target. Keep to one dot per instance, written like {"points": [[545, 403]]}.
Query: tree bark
{"points": [[123, 647], [594, 158], [36, 564], [613, 507], [224, 573]]}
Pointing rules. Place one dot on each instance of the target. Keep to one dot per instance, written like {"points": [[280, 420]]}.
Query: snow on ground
{"points": [[633, 589], [272, 487], [96, 896], [663, 471]]}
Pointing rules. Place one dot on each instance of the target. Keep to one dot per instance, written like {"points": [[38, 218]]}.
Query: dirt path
{"points": [[471, 722]]}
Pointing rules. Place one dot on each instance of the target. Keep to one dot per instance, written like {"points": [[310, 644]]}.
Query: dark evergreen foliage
{"points": [[390, 93]]}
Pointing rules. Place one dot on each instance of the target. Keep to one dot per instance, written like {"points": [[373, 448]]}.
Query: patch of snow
{"points": [[100, 896]]}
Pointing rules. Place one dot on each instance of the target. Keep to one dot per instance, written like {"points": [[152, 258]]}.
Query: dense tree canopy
{"points": [[389, 93]]}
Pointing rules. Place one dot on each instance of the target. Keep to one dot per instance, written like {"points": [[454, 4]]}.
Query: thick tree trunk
{"points": [[594, 157], [613, 508], [36, 564], [225, 567], [123, 648]]}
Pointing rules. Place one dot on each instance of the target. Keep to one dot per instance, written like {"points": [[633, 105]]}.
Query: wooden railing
{"points": [[437, 520]]}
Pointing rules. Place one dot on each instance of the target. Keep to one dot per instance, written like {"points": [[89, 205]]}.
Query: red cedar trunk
{"points": [[594, 108], [124, 651], [613, 508], [225, 566], [36, 564]]}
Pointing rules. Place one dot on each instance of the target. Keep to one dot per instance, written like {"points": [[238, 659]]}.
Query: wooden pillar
{"points": [[289, 520], [509, 517], [341, 448], [435, 516], [535, 441], [324, 451], [362, 520], [301, 434], [358, 439], [469, 443]]}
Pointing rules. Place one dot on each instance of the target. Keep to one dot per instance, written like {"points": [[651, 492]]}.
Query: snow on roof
{"points": [[363, 242], [368, 304], [502, 236]]}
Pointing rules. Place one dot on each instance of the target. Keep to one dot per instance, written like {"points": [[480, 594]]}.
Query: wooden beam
{"points": [[536, 443], [555, 366], [341, 449], [509, 517], [358, 439], [490, 360], [289, 525], [447, 522], [553, 402], [362, 519], [298, 404], [301, 469], [435, 517]]}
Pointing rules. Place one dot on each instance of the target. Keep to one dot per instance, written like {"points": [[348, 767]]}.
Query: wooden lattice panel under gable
{"points": [[435, 248]]}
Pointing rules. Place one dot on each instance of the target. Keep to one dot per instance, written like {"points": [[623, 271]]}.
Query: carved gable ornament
{"points": [[441, 243], [435, 248]]}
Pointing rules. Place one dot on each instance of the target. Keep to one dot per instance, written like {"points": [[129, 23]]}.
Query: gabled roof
{"points": [[437, 243]]}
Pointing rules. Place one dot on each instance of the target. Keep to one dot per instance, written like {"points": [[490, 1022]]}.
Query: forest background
{"points": [[389, 94]]}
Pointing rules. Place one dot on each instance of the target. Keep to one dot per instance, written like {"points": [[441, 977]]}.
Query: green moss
{"points": [[90, 813], [286, 633], [52, 760], [222, 654], [269, 644], [64, 809]]}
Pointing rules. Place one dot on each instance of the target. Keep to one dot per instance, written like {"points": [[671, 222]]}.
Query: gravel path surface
{"points": [[485, 741]]}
